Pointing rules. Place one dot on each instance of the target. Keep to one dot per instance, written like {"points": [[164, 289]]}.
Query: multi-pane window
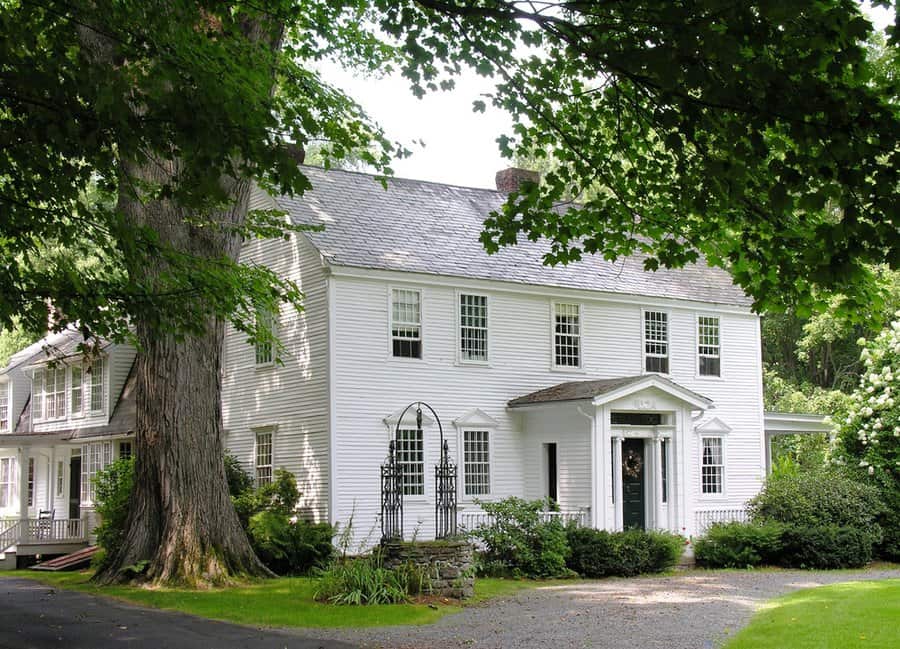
{"points": [[567, 335], [263, 458], [708, 346], [31, 482], [411, 458], [94, 458], [97, 386], [60, 478], [7, 481], [55, 393], [406, 323], [473, 327], [4, 407], [656, 342], [124, 450], [477, 462], [664, 468], [37, 395], [712, 465], [76, 394], [265, 338]]}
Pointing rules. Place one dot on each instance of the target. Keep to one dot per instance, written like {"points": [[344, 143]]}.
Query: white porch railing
{"points": [[31, 531], [704, 518], [468, 521]]}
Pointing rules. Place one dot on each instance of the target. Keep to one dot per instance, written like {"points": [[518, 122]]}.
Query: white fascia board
{"points": [[650, 381]]}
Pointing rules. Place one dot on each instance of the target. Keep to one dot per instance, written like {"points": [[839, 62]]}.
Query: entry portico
{"points": [[623, 445]]}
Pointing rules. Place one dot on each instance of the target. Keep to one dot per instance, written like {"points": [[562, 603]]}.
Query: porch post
{"points": [[22, 463], [657, 481], [600, 478], [618, 521]]}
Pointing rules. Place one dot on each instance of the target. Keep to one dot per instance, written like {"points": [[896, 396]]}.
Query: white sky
{"points": [[459, 146]]}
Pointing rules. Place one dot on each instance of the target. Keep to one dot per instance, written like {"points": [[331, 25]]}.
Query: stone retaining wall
{"points": [[448, 563]]}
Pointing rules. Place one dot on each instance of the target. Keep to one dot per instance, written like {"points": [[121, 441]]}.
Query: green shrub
{"points": [[598, 553], [287, 546], [363, 580], [112, 489], [519, 542], [824, 496], [825, 547], [739, 545], [239, 481]]}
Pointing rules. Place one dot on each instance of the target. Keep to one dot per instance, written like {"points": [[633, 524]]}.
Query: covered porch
{"points": [[617, 449], [42, 535]]}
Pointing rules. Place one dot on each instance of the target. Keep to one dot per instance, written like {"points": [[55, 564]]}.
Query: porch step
{"points": [[69, 561]]}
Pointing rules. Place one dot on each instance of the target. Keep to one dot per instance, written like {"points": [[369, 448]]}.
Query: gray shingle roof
{"points": [[426, 227], [583, 390]]}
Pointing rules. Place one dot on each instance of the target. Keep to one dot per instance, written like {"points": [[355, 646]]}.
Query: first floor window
{"points": [[30, 481], [4, 407], [712, 465], [265, 337], [95, 457], [664, 468], [477, 462], [124, 450], [60, 478], [411, 458], [263, 458], [566, 335], [709, 362], [473, 327], [7, 481], [656, 342], [406, 323]]}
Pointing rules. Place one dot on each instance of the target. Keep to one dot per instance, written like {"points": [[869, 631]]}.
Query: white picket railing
{"points": [[41, 530], [468, 521], [704, 518]]}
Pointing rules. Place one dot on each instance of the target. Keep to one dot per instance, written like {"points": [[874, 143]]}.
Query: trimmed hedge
{"points": [[598, 553], [826, 547], [739, 545]]}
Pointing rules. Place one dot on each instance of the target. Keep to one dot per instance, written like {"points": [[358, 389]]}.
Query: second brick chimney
{"points": [[510, 179]]}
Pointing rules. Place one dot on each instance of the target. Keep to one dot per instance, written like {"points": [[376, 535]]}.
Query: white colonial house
{"points": [[631, 398]]}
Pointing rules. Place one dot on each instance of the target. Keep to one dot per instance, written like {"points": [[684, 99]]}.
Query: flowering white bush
{"points": [[869, 437]]}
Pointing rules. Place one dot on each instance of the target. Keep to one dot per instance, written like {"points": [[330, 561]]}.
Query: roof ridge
{"points": [[404, 179]]}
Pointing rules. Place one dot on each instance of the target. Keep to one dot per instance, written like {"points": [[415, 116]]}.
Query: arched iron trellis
{"points": [[392, 487]]}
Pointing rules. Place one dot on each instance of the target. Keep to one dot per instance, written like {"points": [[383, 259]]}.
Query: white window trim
{"points": [[65, 392], [71, 385], [579, 369], [61, 470], [13, 484], [390, 323], [257, 430], [697, 374], [275, 316], [712, 497], [461, 447], [90, 385], [487, 341], [644, 311], [6, 386], [409, 421]]}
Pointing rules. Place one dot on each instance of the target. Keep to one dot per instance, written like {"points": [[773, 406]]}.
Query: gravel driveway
{"points": [[692, 610]]}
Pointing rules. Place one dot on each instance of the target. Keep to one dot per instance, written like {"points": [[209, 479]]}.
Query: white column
{"points": [[601, 468], [618, 520], [670, 486], [657, 482], [22, 462]]}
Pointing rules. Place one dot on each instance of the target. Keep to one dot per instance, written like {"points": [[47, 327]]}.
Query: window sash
{"points": [[4, 406], [55, 393], [37, 395], [411, 459], [264, 348], [406, 323], [60, 478], [263, 458], [95, 457], [567, 335], [473, 327], [656, 341], [476, 462], [712, 465], [7, 481], [76, 391], [30, 482], [97, 371], [708, 345]]}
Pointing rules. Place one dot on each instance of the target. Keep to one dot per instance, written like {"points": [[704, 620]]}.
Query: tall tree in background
{"points": [[755, 134]]}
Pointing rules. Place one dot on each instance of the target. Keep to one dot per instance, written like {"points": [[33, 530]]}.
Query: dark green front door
{"points": [[633, 484]]}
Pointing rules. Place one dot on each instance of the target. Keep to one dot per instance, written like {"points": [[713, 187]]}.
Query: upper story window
{"points": [[476, 462], [708, 359], [263, 457], [411, 458], [712, 465], [96, 386], [76, 391], [54, 397], [566, 335], [406, 323], [4, 407], [473, 328], [265, 338], [656, 341]]}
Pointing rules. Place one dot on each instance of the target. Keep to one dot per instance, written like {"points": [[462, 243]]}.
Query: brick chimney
{"points": [[510, 179]]}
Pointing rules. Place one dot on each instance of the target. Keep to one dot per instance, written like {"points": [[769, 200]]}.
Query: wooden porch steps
{"points": [[69, 561]]}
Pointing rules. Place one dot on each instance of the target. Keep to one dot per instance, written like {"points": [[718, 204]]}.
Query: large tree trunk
{"points": [[182, 527]]}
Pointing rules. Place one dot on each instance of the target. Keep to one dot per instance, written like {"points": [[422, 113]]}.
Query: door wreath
{"points": [[632, 464]]}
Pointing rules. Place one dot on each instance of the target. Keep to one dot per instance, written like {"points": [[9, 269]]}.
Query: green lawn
{"points": [[287, 601], [843, 616]]}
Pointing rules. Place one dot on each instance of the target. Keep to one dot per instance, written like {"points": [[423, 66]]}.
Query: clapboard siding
{"points": [[369, 384], [292, 397]]}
